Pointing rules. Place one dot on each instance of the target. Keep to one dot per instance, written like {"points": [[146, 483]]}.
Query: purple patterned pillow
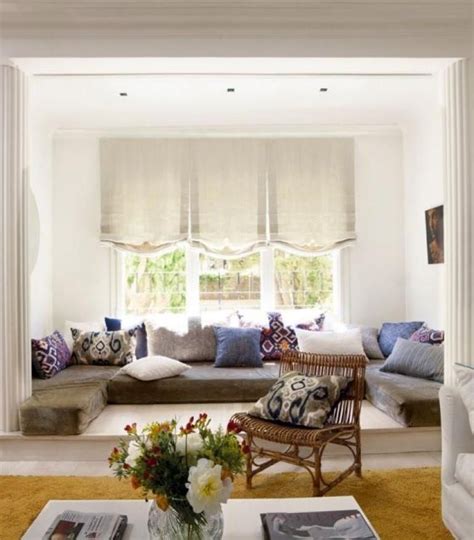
{"points": [[428, 335], [50, 355], [277, 338]]}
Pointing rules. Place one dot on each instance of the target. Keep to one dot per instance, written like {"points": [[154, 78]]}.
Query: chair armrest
{"points": [[456, 435]]}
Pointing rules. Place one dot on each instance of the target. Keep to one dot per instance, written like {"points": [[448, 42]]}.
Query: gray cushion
{"points": [[411, 401], [196, 345], [77, 375], [370, 342], [63, 410], [202, 384], [416, 360]]}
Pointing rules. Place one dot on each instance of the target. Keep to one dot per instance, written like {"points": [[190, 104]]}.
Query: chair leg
{"points": [[317, 473], [358, 458], [248, 459]]}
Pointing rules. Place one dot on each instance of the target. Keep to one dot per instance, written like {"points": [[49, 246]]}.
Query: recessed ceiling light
{"points": [[230, 89], [323, 89], [123, 94]]}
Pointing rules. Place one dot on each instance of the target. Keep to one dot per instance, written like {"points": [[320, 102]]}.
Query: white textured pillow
{"points": [[348, 342], [151, 368], [89, 326], [465, 385]]}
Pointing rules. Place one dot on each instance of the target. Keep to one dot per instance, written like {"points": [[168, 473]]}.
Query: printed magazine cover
{"points": [[71, 525], [334, 524]]}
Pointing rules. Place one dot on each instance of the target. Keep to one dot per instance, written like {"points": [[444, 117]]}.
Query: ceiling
{"points": [[258, 101]]}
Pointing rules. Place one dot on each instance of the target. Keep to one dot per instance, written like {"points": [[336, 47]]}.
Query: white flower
{"points": [[134, 452], [206, 490], [193, 445]]}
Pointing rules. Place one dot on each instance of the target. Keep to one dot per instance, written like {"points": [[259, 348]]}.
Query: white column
{"points": [[15, 355], [458, 221]]}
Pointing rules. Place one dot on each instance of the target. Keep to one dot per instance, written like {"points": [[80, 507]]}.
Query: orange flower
{"points": [[135, 482], [162, 502]]}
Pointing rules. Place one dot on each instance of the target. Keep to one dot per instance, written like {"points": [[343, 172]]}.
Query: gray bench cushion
{"points": [[76, 375], [204, 383], [411, 401], [63, 410]]}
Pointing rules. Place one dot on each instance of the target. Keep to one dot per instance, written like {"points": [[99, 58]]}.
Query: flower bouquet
{"points": [[189, 471]]}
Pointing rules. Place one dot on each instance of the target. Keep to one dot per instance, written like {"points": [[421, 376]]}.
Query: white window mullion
{"points": [[342, 285], [192, 281], [267, 279]]}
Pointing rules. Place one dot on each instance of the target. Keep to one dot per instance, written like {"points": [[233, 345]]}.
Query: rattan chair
{"points": [[342, 427]]}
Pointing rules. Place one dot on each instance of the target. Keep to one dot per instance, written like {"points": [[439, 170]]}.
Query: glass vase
{"points": [[164, 525]]}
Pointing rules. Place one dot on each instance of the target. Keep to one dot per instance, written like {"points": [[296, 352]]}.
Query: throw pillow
{"points": [[151, 368], [370, 342], [416, 360], [112, 325], [465, 385], [89, 326], [424, 334], [277, 338], [196, 344], [348, 342], [104, 348], [301, 400], [390, 332], [50, 355], [237, 347]]}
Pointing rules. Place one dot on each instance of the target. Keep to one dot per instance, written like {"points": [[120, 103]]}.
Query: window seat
{"points": [[67, 403]]}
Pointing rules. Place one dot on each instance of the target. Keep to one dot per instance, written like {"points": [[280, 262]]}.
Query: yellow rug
{"points": [[401, 504]]}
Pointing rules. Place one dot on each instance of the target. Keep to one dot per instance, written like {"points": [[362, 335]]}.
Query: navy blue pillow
{"points": [[390, 332], [141, 349], [113, 325], [237, 347]]}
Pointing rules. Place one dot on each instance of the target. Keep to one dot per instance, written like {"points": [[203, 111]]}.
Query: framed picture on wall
{"points": [[435, 234]]}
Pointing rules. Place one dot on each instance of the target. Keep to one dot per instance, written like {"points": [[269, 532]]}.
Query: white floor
{"points": [[385, 443]]}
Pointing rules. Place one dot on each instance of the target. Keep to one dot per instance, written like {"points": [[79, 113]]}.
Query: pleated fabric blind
{"points": [[311, 193], [228, 196], [144, 193]]}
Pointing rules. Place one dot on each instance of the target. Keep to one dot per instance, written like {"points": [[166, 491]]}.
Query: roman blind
{"points": [[228, 196], [144, 193], [311, 193]]}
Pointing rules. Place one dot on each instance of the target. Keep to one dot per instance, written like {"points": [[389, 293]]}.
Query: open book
{"points": [[335, 524], [71, 525]]}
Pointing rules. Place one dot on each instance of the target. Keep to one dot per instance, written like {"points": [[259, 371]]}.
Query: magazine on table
{"points": [[334, 524], [72, 525]]}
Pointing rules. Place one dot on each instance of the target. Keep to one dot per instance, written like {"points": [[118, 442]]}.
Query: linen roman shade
{"points": [[144, 193], [228, 196], [311, 193]]}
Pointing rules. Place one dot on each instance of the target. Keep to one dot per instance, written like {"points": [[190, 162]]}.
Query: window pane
{"points": [[229, 283], [154, 284], [302, 282]]}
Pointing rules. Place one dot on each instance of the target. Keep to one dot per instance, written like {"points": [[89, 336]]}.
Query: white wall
{"points": [[423, 151], [81, 267], [41, 234], [377, 263]]}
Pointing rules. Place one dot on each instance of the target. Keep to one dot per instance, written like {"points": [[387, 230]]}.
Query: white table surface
{"points": [[241, 516]]}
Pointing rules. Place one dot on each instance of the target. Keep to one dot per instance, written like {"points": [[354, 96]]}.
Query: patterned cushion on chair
{"points": [[104, 348], [277, 338], [301, 400], [50, 355]]}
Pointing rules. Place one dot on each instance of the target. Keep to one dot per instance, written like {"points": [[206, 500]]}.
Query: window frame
{"points": [[341, 282]]}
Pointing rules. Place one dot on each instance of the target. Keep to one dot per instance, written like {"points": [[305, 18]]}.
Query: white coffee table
{"points": [[241, 516]]}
